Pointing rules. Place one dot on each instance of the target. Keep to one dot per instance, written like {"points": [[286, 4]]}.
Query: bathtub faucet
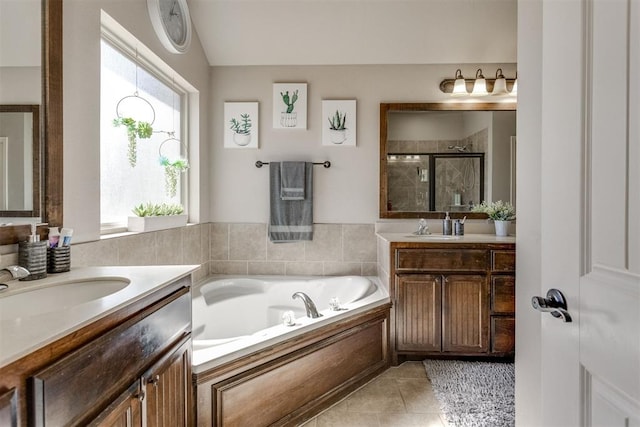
{"points": [[312, 311]]}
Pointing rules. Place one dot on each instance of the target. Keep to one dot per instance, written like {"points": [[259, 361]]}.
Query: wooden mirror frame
{"points": [[51, 135], [385, 109]]}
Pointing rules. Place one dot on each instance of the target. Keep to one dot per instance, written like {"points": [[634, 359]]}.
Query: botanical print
{"points": [[290, 106], [241, 125], [339, 123]]}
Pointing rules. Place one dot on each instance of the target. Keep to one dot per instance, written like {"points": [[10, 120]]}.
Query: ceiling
{"points": [[333, 32]]}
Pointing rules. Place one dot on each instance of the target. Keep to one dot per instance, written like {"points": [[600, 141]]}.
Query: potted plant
{"points": [[502, 213], [172, 169], [288, 118], [337, 129], [134, 130], [241, 130], [156, 216]]}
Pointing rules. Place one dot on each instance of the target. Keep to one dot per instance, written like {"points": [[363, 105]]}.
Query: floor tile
{"points": [[410, 420]]}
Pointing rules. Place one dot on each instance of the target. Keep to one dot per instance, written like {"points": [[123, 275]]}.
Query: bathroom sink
{"points": [[433, 237], [59, 297]]}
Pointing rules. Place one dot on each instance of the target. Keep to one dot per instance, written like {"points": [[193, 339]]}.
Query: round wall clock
{"points": [[172, 23]]}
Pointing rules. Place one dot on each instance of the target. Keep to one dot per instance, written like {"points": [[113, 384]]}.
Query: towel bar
{"points": [[326, 164]]}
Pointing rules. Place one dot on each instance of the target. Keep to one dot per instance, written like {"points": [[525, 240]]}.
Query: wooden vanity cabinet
{"points": [[130, 368], [453, 299]]}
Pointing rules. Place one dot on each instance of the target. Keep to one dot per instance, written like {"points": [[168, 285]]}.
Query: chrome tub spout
{"points": [[312, 311]]}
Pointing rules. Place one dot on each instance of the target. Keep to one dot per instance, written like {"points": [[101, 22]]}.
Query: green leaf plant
{"points": [[135, 130], [157, 209], [172, 169]]}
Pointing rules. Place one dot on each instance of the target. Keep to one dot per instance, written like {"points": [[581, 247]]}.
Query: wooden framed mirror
{"points": [[51, 124], [445, 157]]}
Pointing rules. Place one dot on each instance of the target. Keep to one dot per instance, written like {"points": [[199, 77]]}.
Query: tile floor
{"points": [[401, 396]]}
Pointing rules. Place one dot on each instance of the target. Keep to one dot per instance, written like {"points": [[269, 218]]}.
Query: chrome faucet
{"points": [[312, 311], [15, 271], [423, 228]]}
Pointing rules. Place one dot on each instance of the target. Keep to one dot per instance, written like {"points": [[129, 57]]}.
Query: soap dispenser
{"points": [[446, 225]]}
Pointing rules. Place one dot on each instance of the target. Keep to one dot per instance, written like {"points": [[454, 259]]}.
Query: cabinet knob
{"points": [[154, 380], [140, 395]]}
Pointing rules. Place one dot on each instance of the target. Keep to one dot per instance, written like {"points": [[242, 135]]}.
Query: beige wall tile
{"points": [[304, 269], [369, 269], [219, 241], [205, 241], [270, 268], [137, 249], [228, 267], [285, 251], [169, 246], [248, 242], [326, 244], [342, 269], [192, 245], [101, 252], [359, 242]]}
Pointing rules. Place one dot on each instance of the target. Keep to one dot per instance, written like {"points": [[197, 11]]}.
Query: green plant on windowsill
{"points": [[157, 209], [497, 211], [135, 130], [172, 169]]}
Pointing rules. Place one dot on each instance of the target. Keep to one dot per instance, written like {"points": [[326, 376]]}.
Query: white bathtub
{"points": [[235, 316]]}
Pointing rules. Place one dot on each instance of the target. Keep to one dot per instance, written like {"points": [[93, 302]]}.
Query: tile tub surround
{"points": [[336, 250], [234, 248]]}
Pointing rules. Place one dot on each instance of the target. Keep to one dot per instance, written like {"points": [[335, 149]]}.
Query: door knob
{"points": [[554, 303]]}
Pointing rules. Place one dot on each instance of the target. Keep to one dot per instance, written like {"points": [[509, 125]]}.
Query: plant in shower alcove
{"points": [[172, 169], [135, 130]]}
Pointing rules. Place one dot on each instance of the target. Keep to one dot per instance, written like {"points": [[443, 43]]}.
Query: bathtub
{"points": [[237, 316]]}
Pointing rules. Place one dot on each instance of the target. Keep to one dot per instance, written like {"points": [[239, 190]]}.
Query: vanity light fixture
{"points": [[480, 85], [460, 85], [498, 86]]}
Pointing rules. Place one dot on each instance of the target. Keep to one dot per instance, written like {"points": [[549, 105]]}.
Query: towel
{"points": [[291, 220], [292, 180]]}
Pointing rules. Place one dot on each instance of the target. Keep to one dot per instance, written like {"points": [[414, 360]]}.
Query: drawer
{"points": [[503, 260], [503, 294], [78, 386], [503, 331], [441, 259]]}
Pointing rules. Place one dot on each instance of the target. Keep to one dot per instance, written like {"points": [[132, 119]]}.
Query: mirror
{"points": [[19, 160], [50, 84], [20, 96], [437, 157]]}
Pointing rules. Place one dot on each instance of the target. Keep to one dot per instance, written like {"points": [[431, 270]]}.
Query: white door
{"points": [[590, 225]]}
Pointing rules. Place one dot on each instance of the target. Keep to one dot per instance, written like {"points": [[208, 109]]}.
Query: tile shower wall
{"points": [[233, 248]]}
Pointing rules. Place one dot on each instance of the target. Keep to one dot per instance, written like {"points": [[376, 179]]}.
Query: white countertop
{"points": [[438, 238], [21, 335]]}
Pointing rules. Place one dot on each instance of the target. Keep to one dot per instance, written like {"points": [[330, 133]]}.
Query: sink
{"points": [[59, 297], [433, 237]]}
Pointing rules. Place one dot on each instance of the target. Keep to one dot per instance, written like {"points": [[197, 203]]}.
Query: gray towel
{"points": [[292, 180], [291, 220]]}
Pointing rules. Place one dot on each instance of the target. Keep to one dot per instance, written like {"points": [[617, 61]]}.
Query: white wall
{"points": [[348, 191], [81, 109]]}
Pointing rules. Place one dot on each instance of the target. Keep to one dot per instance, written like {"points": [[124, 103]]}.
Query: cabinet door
{"points": [[168, 389], [418, 313], [465, 314], [125, 411]]}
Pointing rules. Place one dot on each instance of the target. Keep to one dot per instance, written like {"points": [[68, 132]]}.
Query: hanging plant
{"points": [[172, 169], [134, 130]]}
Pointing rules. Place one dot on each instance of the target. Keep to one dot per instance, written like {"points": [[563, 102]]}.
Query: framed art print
{"points": [[241, 125], [339, 123]]}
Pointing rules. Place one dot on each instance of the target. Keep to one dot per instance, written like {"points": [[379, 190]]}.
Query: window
{"points": [[133, 168]]}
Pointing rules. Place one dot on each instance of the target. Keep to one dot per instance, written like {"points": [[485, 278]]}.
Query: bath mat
{"points": [[474, 394]]}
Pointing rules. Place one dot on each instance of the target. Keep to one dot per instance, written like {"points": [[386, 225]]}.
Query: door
{"points": [[418, 312], [590, 212], [465, 313]]}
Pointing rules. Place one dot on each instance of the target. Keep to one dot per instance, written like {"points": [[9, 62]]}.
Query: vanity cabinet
{"points": [[453, 299], [130, 368]]}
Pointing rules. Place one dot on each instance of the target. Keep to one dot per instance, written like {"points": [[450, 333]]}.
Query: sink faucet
{"points": [[312, 311], [15, 271], [423, 228]]}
